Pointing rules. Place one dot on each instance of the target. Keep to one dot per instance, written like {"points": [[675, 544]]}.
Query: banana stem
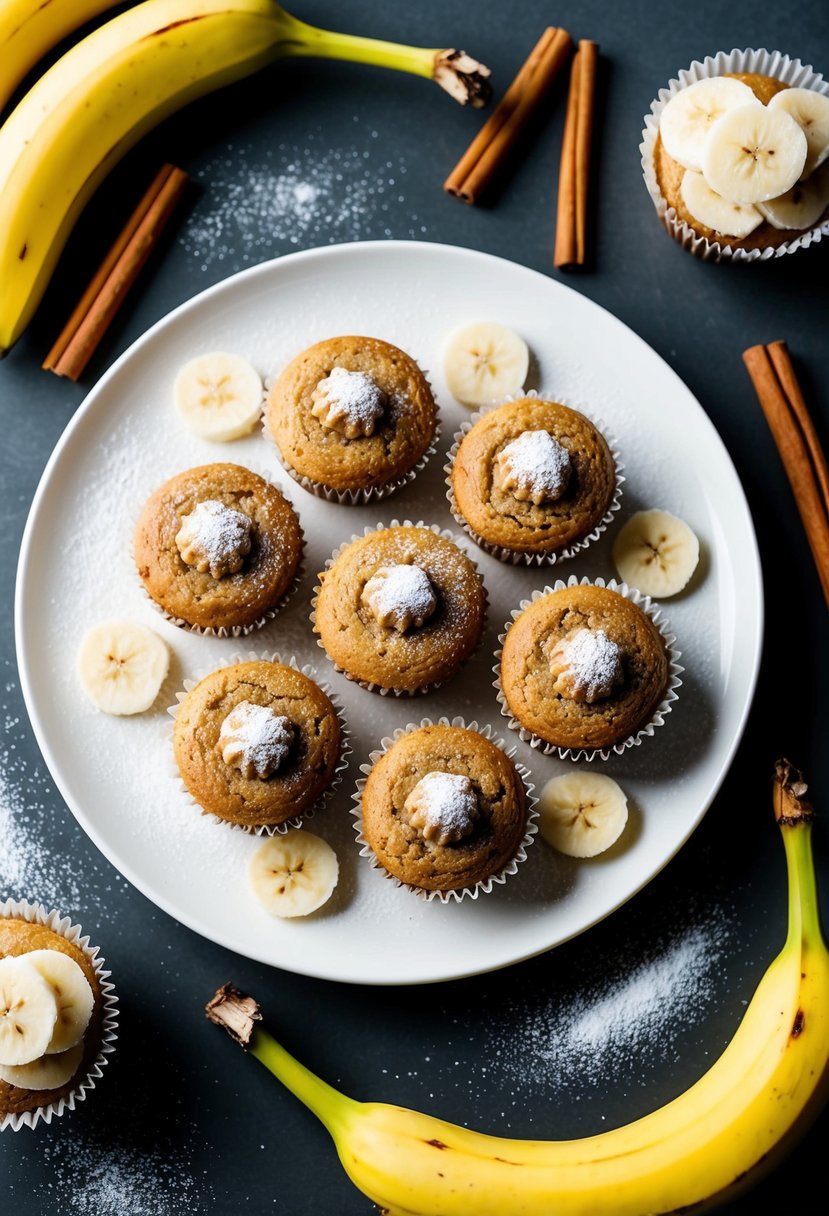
{"points": [[329, 1105], [794, 815]]}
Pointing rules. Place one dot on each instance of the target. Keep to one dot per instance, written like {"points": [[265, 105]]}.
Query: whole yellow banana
{"points": [[97, 100], [713, 1140], [29, 28]]}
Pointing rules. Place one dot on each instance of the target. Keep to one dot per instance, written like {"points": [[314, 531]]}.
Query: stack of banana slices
{"points": [[746, 162], [46, 1003]]}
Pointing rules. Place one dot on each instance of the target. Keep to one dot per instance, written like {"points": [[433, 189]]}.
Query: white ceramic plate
{"points": [[76, 568]]}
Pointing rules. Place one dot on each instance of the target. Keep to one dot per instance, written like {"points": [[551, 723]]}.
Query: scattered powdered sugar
{"points": [[255, 739], [215, 537], [349, 402], [535, 466], [296, 196], [587, 664], [400, 596], [443, 807]]}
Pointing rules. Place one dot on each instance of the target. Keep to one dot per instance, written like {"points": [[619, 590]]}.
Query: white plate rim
{"points": [[158, 898]]}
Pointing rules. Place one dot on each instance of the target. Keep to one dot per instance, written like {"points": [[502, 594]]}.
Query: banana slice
{"points": [[656, 552], [690, 114], [484, 362], [73, 996], [294, 874], [582, 814], [47, 1072], [219, 396], [810, 110], [28, 1012], [122, 666], [711, 209], [753, 153], [801, 206]]}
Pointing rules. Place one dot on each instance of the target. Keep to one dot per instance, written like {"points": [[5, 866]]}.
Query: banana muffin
{"points": [[739, 157], [352, 418], [583, 667], [444, 809], [218, 548], [257, 743], [400, 609], [51, 1015], [531, 479]]}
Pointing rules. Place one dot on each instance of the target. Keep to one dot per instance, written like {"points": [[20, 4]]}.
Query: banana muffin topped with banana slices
{"points": [[51, 1015], [257, 744], [739, 159], [532, 480], [218, 548], [353, 418]]}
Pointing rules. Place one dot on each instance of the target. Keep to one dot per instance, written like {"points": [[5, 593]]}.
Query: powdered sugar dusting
{"points": [[255, 739], [443, 807], [587, 664], [400, 596], [349, 402], [215, 537], [535, 467]]}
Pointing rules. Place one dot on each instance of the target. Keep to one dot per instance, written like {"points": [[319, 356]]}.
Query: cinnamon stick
{"points": [[781, 399], [493, 143], [574, 173], [108, 287]]}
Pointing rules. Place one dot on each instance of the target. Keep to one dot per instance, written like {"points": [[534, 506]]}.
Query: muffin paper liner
{"points": [[486, 884], [266, 829], [394, 523], [233, 631], [658, 717], [38, 914], [765, 63], [360, 497], [512, 556]]}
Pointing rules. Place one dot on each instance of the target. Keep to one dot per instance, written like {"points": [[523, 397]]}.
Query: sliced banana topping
{"points": [[215, 537], [801, 206], [753, 153], [582, 814], [443, 807], [400, 597], [656, 552], [534, 467], [256, 740], [348, 402], [586, 666], [73, 995], [714, 211], [484, 362], [810, 110], [689, 115], [47, 1072], [122, 666], [219, 396], [294, 874], [28, 1012]]}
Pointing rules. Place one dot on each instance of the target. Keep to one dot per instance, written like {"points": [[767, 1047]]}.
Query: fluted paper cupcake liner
{"points": [[394, 523], [762, 62], [296, 821], [38, 914], [359, 497], [662, 710], [512, 556], [233, 631], [486, 884]]}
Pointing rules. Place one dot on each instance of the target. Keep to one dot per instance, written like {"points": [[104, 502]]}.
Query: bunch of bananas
{"points": [[701, 1149], [98, 99]]}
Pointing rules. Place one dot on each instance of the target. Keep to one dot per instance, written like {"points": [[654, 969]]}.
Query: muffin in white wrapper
{"points": [[484, 885], [233, 631], [657, 717], [513, 556], [761, 62], [296, 821], [104, 1016], [371, 685]]}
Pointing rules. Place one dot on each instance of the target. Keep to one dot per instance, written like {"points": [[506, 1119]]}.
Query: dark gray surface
{"points": [[181, 1122]]}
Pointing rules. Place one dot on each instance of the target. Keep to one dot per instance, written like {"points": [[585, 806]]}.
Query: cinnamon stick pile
{"points": [[778, 392], [116, 274]]}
